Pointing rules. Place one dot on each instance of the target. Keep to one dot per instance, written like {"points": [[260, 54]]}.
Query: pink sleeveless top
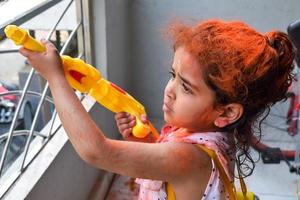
{"points": [[222, 143]]}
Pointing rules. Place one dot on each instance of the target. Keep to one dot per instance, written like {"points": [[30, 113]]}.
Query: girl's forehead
{"points": [[184, 62], [188, 67]]}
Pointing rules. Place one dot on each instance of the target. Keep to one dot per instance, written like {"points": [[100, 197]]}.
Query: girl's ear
{"points": [[229, 114]]}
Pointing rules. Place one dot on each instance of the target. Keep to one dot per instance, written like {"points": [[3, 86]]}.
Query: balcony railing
{"points": [[35, 140]]}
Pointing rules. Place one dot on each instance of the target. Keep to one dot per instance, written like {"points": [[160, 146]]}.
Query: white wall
{"points": [[111, 45]]}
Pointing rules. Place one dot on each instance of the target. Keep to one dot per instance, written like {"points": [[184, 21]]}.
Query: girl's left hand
{"points": [[48, 63], [126, 122]]}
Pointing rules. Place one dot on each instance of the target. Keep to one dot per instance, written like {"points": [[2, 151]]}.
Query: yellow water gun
{"points": [[86, 79]]}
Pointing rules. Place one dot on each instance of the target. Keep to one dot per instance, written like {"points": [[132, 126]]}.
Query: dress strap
{"points": [[229, 186], [170, 192]]}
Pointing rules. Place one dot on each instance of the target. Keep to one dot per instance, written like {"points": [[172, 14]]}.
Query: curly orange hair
{"points": [[242, 66]]}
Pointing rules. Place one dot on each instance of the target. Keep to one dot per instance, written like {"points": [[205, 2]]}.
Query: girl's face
{"points": [[188, 101]]}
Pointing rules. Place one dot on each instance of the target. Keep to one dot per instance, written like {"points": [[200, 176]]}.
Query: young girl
{"points": [[223, 77]]}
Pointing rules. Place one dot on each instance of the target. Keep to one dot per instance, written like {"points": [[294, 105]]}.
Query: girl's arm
{"points": [[159, 161]]}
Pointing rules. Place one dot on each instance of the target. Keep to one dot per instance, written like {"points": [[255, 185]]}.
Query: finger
{"points": [[127, 132], [121, 115], [122, 130], [144, 118], [25, 52], [123, 127], [124, 119], [45, 42], [49, 46], [126, 124], [132, 123]]}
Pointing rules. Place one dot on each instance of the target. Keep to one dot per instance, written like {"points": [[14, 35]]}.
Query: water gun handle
{"points": [[85, 78]]}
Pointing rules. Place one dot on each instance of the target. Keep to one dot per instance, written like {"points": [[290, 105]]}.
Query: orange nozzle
{"points": [[15, 34], [21, 37]]}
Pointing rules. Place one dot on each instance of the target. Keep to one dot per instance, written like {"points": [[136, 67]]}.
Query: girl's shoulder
{"points": [[171, 133], [221, 142]]}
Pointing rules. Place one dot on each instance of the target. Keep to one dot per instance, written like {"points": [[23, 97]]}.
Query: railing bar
{"points": [[64, 48], [9, 51], [42, 99], [80, 55], [52, 122], [82, 30], [17, 92], [11, 129], [59, 19], [20, 133], [28, 15], [28, 141]]}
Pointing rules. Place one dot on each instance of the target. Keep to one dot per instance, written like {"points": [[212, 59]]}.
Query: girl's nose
{"points": [[169, 91]]}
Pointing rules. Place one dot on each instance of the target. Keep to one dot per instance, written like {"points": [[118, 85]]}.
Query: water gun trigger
{"points": [[140, 130]]}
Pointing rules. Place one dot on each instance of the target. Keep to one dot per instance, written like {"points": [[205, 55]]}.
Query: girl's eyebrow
{"points": [[185, 80]]}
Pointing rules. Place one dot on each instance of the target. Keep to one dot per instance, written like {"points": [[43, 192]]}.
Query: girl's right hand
{"points": [[48, 63], [126, 122]]}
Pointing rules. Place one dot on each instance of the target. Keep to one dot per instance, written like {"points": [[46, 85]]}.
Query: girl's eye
{"points": [[172, 74], [186, 89]]}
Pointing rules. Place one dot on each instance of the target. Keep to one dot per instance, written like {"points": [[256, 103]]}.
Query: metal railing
{"points": [[25, 16], [32, 133]]}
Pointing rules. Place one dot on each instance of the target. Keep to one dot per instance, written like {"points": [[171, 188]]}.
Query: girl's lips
{"points": [[166, 108]]}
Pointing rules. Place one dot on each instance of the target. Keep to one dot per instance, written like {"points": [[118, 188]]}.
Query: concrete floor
{"points": [[123, 188], [273, 182]]}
